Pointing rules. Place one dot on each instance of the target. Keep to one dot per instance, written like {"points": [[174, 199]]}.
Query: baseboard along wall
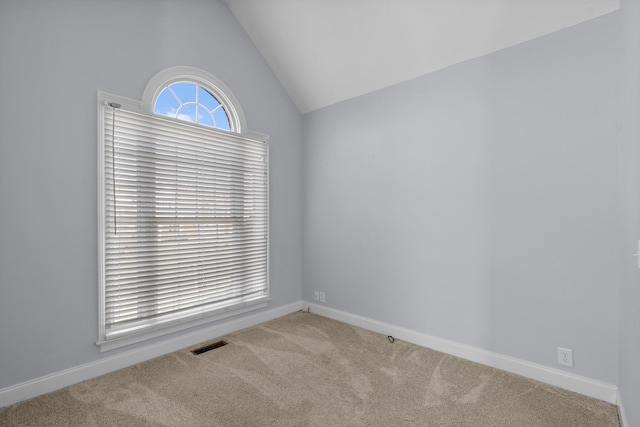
{"points": [[621, 412], [555, 377], [43, 385], [49, 383]]}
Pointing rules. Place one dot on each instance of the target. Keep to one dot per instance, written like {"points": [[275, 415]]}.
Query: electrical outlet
{"points": [[322, 296], [316, 295], [565, 357]]}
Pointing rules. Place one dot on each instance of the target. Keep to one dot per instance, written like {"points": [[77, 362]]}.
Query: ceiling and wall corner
{"points": [[324, 52]]}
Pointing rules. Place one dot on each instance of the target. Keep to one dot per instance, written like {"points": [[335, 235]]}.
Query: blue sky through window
{"points": [[191, 102]]}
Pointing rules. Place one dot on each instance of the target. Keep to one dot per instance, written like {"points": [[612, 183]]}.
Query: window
{"points": [[193, 103], [183, 209]]}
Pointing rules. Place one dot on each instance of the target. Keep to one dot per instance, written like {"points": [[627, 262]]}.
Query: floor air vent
{"points": [[208, 347]]}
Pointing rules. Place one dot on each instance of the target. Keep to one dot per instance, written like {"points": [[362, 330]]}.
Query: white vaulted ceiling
{"points": [[327, 51]]}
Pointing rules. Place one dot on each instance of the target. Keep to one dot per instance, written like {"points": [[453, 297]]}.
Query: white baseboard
{"points": [[555, 377], [621, 413], [58, 380]]}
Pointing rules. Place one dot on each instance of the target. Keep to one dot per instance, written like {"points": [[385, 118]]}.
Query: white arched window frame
{"points": [[208, 81], [191, 201]]}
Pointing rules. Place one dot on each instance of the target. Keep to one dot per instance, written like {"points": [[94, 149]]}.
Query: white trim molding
{"points": [[586, 386], [555, 377], [183, 72], [622, 415], [49, 383]]}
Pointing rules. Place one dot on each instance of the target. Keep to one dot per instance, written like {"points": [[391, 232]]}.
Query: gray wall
{"points": [[54, 56], [478, 203], [630, 167]]}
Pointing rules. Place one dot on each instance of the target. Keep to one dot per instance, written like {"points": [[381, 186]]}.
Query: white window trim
{"points": [[180, 73], [238, 126]]}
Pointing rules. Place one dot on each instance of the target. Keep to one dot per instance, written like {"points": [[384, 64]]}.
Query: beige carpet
{"points": [[306, 370]]}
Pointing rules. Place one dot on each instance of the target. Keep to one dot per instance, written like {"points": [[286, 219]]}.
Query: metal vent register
{"points": [[208, 347]]}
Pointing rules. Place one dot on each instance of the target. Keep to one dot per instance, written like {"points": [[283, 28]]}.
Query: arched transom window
{"points": [[193, 95], [193, 103]]}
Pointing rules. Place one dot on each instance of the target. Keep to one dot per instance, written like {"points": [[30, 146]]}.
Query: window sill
{"points": [[112, 344]]}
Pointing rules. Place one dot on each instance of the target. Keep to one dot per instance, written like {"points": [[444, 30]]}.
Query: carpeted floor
{"points": [[306, 370]]}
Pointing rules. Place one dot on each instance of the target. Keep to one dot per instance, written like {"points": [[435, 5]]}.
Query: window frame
{"points": [[219, 90], [238, 126]]}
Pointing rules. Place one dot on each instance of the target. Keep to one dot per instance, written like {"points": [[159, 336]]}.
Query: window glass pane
{"points": [[179, 100], [206, 99], [222, 121], [188, 113], [166, 104], [185, 91], [204, 117]]}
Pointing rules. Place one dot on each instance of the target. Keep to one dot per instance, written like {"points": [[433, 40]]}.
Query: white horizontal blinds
{"points": [[186, 221]]}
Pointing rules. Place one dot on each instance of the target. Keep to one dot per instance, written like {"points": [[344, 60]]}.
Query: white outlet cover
{"points": [[565, 357]]}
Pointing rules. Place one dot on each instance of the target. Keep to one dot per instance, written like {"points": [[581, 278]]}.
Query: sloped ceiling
{"points": [[327, 51]]}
